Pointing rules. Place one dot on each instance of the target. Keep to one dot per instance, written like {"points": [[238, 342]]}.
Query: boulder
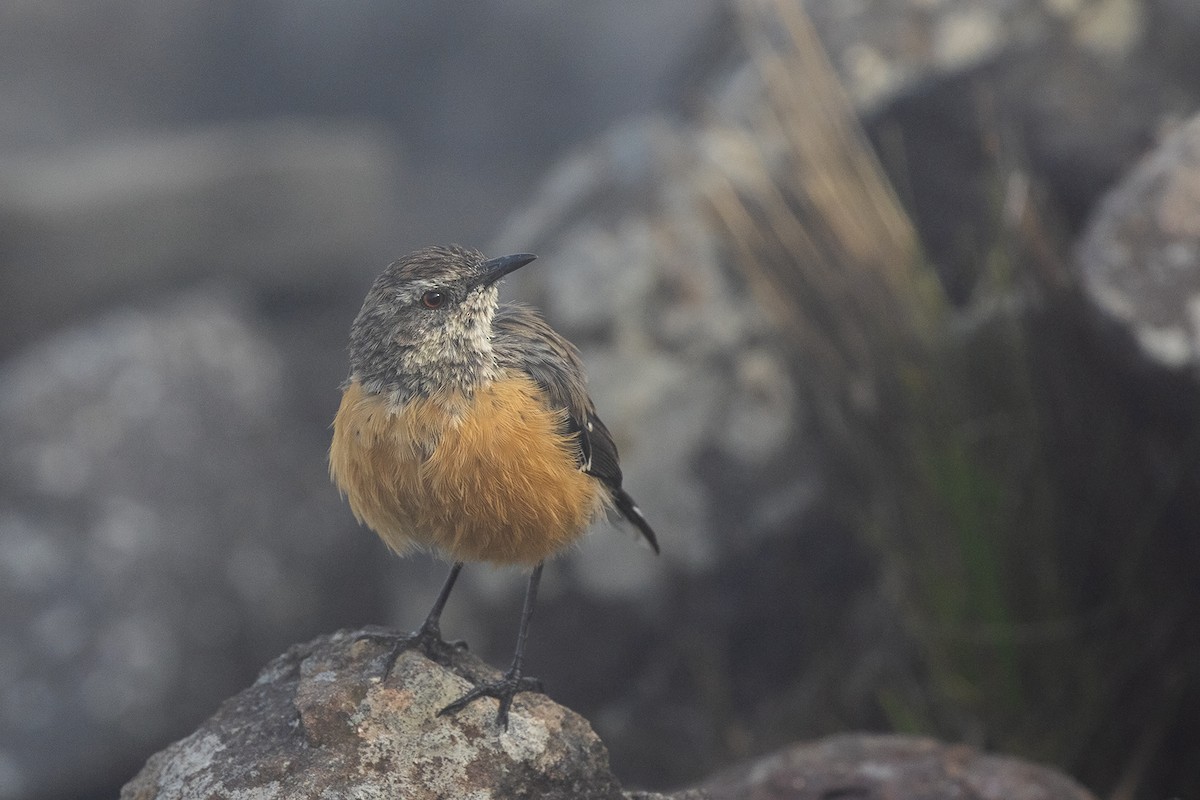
{"points": [[323, 720], [1139, 262], [165, 526], [879, 767]]}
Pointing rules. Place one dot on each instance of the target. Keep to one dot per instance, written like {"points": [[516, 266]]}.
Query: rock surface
{"points": [[687, 371], [1140, 258], [884, 47], [322, 721], [976, 98], [146, 566], [891, 768]]}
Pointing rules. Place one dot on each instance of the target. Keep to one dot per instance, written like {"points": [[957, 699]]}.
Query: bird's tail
{"points": [[631, 512]]}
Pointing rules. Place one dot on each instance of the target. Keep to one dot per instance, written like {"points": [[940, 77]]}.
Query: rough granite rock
{"points": [[865, 767], [322, 721], [1140, 258]]}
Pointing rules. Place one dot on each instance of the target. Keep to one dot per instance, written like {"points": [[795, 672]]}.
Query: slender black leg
{"points": [[513, 682], [429, 636], [430, 631]]}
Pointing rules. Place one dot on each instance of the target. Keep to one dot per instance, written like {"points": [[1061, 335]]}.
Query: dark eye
{"points": [[433, 299]]}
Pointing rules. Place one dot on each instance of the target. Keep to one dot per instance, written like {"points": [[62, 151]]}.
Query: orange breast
{"points": [[492, 479]]}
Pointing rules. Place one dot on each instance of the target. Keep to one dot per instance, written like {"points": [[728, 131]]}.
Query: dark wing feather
{"points": [[631, 512], [522, 340], [603, 461]]}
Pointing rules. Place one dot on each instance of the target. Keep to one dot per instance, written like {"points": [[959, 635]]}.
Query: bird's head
{"points": [[426, 323]]}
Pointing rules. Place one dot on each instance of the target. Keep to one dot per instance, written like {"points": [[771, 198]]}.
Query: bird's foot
{"points": [[512, 684], [428, 639]]}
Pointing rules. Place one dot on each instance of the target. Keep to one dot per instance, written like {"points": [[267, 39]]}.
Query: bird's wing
{"points": [[523, 340]]}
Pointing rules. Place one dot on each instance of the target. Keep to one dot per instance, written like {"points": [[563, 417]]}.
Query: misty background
{"points": [[902, 479]]}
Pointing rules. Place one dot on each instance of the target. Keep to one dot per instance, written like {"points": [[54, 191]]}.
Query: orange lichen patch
{"points": [[493, 479]]}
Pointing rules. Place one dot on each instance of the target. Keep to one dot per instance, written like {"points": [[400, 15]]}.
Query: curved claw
{"points": [[503, 690], [428, 639]]}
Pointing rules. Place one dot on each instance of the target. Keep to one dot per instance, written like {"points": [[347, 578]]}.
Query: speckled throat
{"points": [[454, 356]]}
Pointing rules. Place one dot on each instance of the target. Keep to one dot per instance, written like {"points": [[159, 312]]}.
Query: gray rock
{"points": [[883, 48], [321, 721], [882, 767], [164, 527], [679, 355], [688, 372], [1139, 261], [965, 100]]}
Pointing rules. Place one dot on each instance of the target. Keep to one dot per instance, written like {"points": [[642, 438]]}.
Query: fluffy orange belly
{"points": [[492, 479]]}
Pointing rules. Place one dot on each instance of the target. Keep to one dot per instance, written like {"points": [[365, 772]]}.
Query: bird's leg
{"points": [[429, 636], [513, 681], [430, 632]]}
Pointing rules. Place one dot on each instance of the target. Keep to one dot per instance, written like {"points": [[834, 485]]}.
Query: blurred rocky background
{"points": [[899, 339]]}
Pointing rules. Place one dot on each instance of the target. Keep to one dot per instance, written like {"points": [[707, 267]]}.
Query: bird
{"points": [[465, 428]]}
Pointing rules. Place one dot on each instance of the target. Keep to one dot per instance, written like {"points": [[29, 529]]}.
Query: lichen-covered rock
{"points": [[322, 721], [1140, 258]]}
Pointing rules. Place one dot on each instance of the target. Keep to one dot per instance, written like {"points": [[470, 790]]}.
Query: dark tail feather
{"points": [[631, 512]]}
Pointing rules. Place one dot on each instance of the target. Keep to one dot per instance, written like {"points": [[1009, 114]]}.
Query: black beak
{"points": [[497, 268]]}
